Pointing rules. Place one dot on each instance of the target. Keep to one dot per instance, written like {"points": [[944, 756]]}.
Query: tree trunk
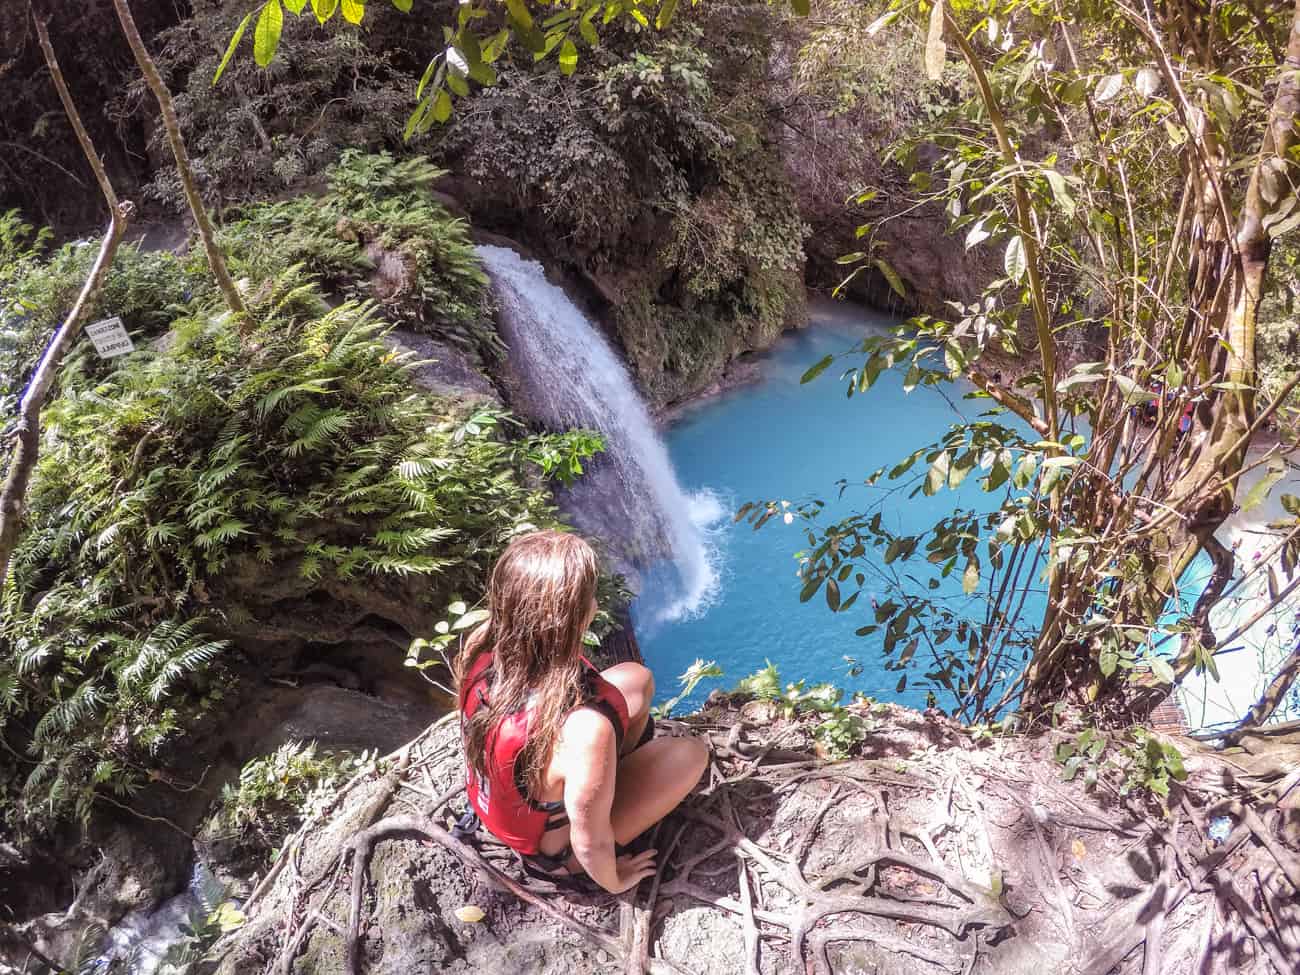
{"points": [[28, 430], [216, 260], [1224, 299]]}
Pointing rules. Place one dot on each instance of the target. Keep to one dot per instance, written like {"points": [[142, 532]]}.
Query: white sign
{"points": [[110, 338]]}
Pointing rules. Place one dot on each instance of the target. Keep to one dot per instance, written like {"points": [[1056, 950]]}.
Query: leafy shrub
{"points": [[260, 131], [276, 792], [375, 205], [1137, 760], [175, 478], [840, 731], [36, 290]]}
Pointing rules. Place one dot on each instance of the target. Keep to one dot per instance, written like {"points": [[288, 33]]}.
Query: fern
{"points": [[303, 448]]}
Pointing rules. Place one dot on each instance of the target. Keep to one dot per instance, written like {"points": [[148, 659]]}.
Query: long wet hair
{"points": [[540, 600]]}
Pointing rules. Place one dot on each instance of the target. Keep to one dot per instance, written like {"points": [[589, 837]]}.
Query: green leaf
{"points": [[568, 57], [833, 595], [881, 22], [456, 82], [935, 49], [1133, 392], [970, 579], [353, 11], [266, 36], [519, 13], [403, 5], [588, 32], [1013, 261], [665, 15], [1163, 672], [230, 48], [442, 106], [324, 9], [816, 369], [1259, 491], [891, 276], [295, 6], [1059, 190], [434, 66], [472, 618], [801, 7], [496, 45]]}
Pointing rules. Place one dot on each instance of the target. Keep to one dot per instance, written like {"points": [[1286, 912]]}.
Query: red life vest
{"points": [[501, 797]]}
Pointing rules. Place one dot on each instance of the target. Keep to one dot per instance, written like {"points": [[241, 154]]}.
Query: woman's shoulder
{"points": [[586, 729]]}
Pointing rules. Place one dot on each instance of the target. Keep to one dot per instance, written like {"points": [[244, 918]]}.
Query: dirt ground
{"points": [[928, 852]]}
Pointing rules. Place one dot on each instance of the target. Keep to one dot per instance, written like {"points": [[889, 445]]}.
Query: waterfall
{"points": [[570, 378]]}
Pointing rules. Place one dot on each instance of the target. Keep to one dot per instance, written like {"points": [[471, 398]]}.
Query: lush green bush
{"points": [[37, 288], [276, 792], [262, 131], [173, 479], [377, 209]]}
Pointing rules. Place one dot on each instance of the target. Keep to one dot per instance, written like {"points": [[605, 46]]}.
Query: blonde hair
{"points": [[540, 599]]}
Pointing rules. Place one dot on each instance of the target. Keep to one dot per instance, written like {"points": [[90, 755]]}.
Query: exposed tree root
{"points": [[878, 892]]}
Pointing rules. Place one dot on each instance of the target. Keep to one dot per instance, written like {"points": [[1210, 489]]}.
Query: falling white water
{"points": [[571, 378]]}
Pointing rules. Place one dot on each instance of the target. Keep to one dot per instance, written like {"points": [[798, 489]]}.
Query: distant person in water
{"points": [[562, 763]]}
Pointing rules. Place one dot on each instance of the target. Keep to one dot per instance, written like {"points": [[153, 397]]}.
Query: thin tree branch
{"points": [[172, 126]]}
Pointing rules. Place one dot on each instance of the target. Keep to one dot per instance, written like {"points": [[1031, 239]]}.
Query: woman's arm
{"points": [[589, 764]]}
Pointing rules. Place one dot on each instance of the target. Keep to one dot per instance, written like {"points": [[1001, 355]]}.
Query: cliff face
{"points": [[925, 851]]}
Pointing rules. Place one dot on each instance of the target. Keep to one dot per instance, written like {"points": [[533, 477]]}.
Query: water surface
{"points": [[777, 439]]}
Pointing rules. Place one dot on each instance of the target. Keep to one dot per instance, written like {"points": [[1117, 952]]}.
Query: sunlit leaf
{"points": [[324, 9], [1013, 260], [935, 49], [1260, 489], [441, 110], [1108, 87], [470, 914], [353, 11], [230, 48], [568, 57], [266, 36], [816, 369]]}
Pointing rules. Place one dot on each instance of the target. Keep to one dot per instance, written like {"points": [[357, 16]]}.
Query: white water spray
{"points": [[571, 378]]}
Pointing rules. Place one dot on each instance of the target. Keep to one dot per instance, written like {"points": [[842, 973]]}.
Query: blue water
{"points": [[776, 439]]}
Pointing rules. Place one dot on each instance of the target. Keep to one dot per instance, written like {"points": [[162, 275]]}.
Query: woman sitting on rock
{"points": [[561, 762]]}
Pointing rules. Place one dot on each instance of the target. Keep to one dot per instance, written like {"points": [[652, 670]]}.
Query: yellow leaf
{"points": [[470, 914], [1078, 849], [935, 49], [354, 11]]}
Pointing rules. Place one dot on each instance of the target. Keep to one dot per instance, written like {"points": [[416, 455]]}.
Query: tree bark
{"points": [[28, 430], [171, 124], [1268, 702], [1230, 259]]}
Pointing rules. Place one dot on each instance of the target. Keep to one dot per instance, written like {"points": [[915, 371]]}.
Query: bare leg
{"points": [[638, 687], [652, 782]]}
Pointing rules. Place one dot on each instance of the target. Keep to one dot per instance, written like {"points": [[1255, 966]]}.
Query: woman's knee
{"points": [[635, 681], [694, 755]]}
